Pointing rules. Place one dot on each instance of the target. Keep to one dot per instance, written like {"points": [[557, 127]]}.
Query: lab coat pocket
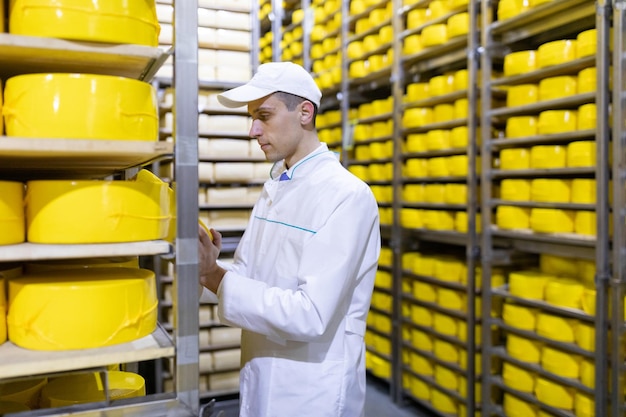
{"points": [[311, 389], [289, 254]]}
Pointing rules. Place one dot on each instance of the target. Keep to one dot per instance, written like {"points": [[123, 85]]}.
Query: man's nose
{"points": [[255, 129]]}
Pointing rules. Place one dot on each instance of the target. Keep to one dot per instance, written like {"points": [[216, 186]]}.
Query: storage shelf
{"points": [[536, 204], [539, 370], [556, 138], [19, 362], [565, 103], [543, 172], [38, 251], [25, 158], [554, 19], [32, 54], [566, 68], [543, 305]]}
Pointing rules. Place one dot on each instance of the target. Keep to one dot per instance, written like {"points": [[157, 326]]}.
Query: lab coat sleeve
{"points": [[341, 252]]}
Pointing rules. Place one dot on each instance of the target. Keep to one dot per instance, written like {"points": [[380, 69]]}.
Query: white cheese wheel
{"points": [[224, 381], [229, 148], [227, 359], [235, 171], [81, 308], [227, 195]]}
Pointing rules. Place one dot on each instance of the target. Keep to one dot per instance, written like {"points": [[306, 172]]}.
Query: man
{"points": [[303, 273]]}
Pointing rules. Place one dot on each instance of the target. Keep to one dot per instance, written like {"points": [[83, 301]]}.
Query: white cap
{"points": [[272, 77]]}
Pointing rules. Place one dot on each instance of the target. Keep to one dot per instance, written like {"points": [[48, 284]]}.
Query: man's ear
{"points": [[307, 112]]}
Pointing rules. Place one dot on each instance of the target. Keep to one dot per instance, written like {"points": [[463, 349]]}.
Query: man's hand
{"points": [[211, 273]]}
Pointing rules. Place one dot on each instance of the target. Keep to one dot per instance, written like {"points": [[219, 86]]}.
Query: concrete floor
{"points": [[377, 404]]}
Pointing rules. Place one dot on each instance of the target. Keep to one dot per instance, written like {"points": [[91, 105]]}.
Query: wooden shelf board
{"points": [[19, 362], [37, 251], [31, 157], [31, 54]]}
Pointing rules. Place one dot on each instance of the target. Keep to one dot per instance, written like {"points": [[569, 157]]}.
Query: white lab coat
{"points": [[300, 288]]}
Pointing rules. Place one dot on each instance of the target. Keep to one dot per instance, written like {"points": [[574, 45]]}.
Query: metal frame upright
{"points": [[186, 173], [618, 279]]}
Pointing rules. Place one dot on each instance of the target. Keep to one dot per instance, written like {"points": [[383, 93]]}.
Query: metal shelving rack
{"points": [[22, 160], [459, 53], [544, 23]]}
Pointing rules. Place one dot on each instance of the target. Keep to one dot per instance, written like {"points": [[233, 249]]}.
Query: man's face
{"points": [[277, 130]]}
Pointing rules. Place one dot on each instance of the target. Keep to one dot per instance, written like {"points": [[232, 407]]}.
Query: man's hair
{"points": [[291, 101]]}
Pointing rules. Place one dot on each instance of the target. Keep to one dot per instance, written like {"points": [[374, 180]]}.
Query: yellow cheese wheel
{"points": [[94, 211], [514, 158], [519, 316], [64, 106], [511, 217], [443, 112], [587, 116], [25, 392], [515, 190], [521, 126], [446, 377], [511, 8], [548, 156], [421, 340], [587, 80], [585, 223], [11, 212], [443, 403], [416, 18], [558, 265], [556, 328], [553, 88], [455, 193], [581, 154], [565, 292], [556, 52], [555, 394], [441, 84], [417, 117], [116, 305], [584, 405], [417, 91], [412, 44], [520, 62], [518, 378], [446, 351], [549, 190], [528, 284], [515, 407], [437, 139], [544, 220], [519, 95], [458, 25], [560, 363], [86, 388], [411, 218], [523, 349], [586, 43], [420, 364], [116, 21]]}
